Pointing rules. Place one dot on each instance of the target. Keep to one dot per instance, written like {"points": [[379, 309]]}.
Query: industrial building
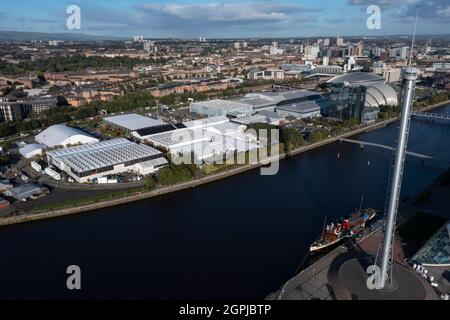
{"points": [[118, 156], [300, 110], [207, 138], [62, 136], [132, 122], [218, 107], [262, 116], [277, 99], [139, 126], [270, 106], [25, 191], [32, 150]]}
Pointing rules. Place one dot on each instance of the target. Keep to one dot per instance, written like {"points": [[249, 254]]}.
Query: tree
{"points": [[28, 125], [174, 174], [291, 138], [150, 183], [7, 130], [169, 100], [315, 136], [350, 123]]}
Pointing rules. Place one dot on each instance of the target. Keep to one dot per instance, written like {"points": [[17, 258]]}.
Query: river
{"points": [[239, 238]]}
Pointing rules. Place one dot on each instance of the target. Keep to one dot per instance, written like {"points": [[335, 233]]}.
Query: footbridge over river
{"points": [[378, 145], [431, 116]]}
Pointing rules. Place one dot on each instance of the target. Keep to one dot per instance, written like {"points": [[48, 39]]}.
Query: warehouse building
{"points": [[263, 116], [139, 126], [132, 122], [274, 99], [301, 110], [62, 136], [32, 150], [25, 191], [218, 107], [205, 139], [87, 163], [253, 102]]}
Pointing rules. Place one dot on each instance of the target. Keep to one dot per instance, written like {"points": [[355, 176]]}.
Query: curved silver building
{"points": [[378, 92]]}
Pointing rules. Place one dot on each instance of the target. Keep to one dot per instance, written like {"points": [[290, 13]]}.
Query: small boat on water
{"points": [[346, 228]]}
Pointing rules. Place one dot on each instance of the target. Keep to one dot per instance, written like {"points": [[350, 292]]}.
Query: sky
{"points": [[226, 18]]}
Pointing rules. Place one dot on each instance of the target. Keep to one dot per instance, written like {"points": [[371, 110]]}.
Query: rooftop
{"points": [[357, 78], [103, 154], [59, 134], [222, 104], [437, 250], [302, 107], [133, 121]]}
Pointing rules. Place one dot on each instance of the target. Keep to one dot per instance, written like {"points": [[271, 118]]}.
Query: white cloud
{"points": [[444, 12], [229, 12], [372, 2]]}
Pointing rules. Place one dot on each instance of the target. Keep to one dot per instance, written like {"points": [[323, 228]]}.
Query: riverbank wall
{"points": [[87, 208]]}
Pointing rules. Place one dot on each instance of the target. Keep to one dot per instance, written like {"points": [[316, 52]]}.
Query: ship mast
{"points": [[382, 270]]}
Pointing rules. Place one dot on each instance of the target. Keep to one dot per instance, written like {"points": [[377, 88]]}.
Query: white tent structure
{"points": [[61, 135]]}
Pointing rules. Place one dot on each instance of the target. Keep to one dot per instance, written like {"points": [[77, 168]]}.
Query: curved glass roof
{"points": [[437, 251], [389, 96]]}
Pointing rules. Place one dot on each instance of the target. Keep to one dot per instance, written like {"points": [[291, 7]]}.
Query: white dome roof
{"points": [[61, 135]]}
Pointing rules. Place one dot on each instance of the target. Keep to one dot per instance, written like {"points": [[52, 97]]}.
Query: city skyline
{"points": [[218, 19]]}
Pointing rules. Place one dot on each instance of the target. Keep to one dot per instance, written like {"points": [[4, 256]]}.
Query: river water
{"points": [[239, 238]]}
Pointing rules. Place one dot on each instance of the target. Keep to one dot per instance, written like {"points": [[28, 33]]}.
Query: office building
{"points": [[138, 38], [149, 46], [18, 109], [269, 74], [311, 52], [360, 95]]}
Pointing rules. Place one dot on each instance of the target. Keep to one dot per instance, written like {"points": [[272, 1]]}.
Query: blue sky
{"points": [[225, 18]]}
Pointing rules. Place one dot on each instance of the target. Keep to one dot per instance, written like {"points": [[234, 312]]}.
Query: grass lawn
{"points": [[86, 200]]}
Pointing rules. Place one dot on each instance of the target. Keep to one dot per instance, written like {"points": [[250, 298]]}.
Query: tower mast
{"points": [[384, 259]]}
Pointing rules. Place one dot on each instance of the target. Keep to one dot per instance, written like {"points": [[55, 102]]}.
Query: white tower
{"points": [[382, 270]]}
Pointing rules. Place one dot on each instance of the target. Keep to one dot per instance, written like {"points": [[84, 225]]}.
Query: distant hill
{"points": [[41, 36]]}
